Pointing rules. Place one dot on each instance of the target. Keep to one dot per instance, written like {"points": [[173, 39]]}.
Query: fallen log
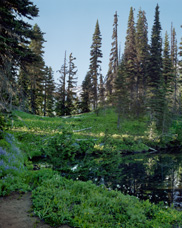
{"points": [[88, 128]]}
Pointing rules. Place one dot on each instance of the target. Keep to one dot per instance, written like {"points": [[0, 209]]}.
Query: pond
{"points": [[157, 177], [153, 176]]}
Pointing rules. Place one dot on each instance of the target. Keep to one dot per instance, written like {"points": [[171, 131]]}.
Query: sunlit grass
{"points": [[133, 135], [98, 124], [102, 128]]}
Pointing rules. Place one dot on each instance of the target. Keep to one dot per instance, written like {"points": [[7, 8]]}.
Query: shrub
{"points": [[85, 205]]}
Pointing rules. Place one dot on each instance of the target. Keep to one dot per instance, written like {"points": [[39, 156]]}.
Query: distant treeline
{"points": [[145, 80]]}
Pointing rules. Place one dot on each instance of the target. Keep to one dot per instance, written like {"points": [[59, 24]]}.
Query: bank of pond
{"points": [[137, 190], [141, 190]]}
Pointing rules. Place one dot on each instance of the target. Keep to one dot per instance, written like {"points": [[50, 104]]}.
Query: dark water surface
{"points": [[157, 177], [153, 176]]}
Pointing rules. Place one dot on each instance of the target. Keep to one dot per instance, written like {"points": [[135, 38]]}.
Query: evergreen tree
{"points": [[142, 50], [86, 94], [121, 92], [36, 72], [72, 81], [48, 92], [113, 64], [14, 37], [174, 48], [168, 85], [156, 53], [180, 76], [130, 60], [156, 95], [174, 59], [167, 66], [61, 91], [95, 61]]}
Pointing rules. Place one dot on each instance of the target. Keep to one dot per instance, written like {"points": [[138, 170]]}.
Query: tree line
{"points": [[144, 80]]}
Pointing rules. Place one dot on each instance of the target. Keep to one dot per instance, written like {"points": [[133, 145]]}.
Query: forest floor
{"points": [[15, 212]]}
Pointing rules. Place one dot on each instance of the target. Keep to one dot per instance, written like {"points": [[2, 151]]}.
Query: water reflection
{"points": [[155, 177]]}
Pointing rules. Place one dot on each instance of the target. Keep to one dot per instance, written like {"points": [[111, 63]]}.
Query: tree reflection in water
{"points": [[157, 177]]}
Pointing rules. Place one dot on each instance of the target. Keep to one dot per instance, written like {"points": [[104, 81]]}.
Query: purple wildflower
{"points": [[2, 152], [1, 163], [11, 168]]}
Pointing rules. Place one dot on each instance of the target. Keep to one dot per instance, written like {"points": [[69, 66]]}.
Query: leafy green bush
{"points": [[36, 177], [84, 160], [30, 143], [11, 183], [61, 151], [84, 205], [4, 144]]}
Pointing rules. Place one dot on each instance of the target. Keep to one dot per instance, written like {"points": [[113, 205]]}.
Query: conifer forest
{"points": [[106, 153]]}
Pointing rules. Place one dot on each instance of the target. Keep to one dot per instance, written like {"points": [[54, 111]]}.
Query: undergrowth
{"points": [[83, 204]]}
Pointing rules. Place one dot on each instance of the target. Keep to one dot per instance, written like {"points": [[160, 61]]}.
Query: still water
{"points": [[157, 177], [153, 176]]}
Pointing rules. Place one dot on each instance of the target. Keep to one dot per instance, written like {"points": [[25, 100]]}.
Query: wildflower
{"points": [[2, 152], [1, 163]]}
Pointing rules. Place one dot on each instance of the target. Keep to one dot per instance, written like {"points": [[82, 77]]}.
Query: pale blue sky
{"points": [[70, 24]]}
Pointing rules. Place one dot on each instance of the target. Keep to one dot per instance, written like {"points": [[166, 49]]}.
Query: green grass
{"points": [[34, 130]]}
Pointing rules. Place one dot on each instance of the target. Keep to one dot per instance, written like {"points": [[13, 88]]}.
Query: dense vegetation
{"points": [[57, 158], [82, 204]]}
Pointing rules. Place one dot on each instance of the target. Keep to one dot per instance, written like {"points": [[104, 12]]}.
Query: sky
{"points": [[69, 26]]}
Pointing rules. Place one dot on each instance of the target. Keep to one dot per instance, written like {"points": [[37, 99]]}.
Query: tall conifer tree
{"points": [[174, 59], [167, 65], [72, 81], [86, 94], [156, 52], [95, 61], [48, 92], [61, 90], [36, 72], [142, 50], [121, 92], [168, 85], [180, 75], [15, 34], [113, 64], [130, 59], [156, 95]]}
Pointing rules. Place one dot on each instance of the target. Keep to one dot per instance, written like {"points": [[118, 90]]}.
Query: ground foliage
{"points": [[83, 204], [81, 148]]}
